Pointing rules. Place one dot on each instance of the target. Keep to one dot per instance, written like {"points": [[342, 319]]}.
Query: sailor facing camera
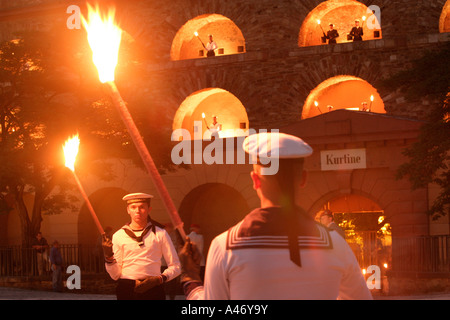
{"points": [[332, 34], [357, 32], [133, 256]]}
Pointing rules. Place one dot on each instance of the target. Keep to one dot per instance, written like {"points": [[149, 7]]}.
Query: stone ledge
{"points": [[249, 56]]}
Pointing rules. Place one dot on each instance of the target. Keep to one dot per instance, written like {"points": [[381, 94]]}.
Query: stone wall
{"points": [[274, 77]]}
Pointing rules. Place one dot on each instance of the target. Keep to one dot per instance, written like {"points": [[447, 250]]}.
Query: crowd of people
{"points": [[49, 259]]}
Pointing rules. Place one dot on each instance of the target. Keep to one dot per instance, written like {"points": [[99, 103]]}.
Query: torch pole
{"points": [[88, 204], [201, 42], [119, 103]]}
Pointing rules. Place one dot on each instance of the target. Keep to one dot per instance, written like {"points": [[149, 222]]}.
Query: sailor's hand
{"points": [[190, 262], [107, 247], [142, 286]]}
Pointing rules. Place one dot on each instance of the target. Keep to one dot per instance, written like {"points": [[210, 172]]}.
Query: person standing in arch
{"points": [[357, 32], [327, 219], [210, 47], [332, 34]]}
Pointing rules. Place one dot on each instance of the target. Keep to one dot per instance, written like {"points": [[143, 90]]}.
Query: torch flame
{"points": [[70, 149], [316, 103], [203, 115], [371, 98], [318, 21], [196, 33], [104, 39]]}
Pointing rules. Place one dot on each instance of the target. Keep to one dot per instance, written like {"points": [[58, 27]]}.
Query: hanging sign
{"points": [[344, 159]]}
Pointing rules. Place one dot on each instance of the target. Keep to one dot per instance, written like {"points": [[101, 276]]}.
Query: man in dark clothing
{"points": [[332, 34], [40, 245], [357, 32], [327, 219], [56, 261]]}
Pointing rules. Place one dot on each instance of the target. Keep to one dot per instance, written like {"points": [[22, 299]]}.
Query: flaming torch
{"points": [[70, 149], [196, 34], [371, 100], [203, 116], [317, 106], [319, 23], [324, 38], [104, 39]]}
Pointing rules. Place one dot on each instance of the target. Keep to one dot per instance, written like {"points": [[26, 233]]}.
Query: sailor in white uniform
{"points": [[277, 251], [133, 257], [215, 128]]}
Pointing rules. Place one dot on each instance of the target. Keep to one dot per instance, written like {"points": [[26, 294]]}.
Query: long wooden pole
{"points": [[119, 103], [88, 204]]}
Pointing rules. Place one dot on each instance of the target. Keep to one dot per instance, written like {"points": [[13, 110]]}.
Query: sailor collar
{"points": [[151, 226], [267, 228]]}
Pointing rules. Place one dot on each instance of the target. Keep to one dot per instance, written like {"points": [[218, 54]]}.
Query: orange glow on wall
{"points": [[444, 20], [342, 92], [212, 101], [353, 203], [342, 13], [228, 37]]}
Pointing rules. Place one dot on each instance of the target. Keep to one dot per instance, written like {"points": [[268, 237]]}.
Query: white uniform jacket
{"points": [[211, 46], [136, 262], [251, 261]]}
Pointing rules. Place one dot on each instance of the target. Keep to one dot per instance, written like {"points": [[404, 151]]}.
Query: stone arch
{"points": [[187, 43], [342, 92], [215, 207], [110, 210], [444, 20], [342, 13], [360, 200], [208, 102]]}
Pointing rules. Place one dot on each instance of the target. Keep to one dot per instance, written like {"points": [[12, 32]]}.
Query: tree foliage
{"points": [[429, 156], [49, 90]]}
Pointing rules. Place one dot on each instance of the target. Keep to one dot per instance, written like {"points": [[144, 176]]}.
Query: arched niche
{"points": [[215, 207], [228, 37], [342, 13], [228, 109], [342, 92], [444, 20]]}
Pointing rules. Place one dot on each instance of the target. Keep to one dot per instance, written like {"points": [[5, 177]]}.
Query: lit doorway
{"points": [[367, 231]]}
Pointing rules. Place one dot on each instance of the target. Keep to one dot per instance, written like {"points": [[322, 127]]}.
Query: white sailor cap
{"points": [[137, 197], [276, 145]]}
